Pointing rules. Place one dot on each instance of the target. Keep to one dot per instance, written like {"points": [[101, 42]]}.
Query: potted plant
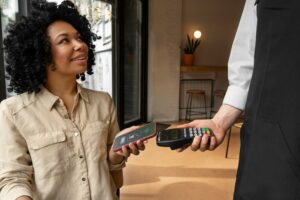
{"points": [[190, 48]]}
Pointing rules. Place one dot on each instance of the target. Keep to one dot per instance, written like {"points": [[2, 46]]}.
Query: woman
{"points": [[56, 136]]}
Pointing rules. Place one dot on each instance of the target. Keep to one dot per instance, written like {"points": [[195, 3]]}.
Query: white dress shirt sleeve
{"points": [[241, 60]]}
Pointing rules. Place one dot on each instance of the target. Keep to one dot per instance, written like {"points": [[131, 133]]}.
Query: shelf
{"points": [[184, 69]]}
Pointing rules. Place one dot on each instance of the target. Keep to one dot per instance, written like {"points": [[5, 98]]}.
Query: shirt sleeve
{"points": [[16, 171], [241, 60]]}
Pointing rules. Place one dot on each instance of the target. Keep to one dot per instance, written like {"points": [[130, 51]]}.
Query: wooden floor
{"points": [[160, 174]]}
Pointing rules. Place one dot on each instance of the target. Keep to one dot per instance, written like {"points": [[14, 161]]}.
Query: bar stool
{"points": [[219, 94], [189, 112]]}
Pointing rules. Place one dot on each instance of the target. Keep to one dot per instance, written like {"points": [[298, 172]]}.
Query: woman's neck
{"points": [[66, 90], [62, 87]]}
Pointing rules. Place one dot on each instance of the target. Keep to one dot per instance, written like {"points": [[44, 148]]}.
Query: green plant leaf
{"points": [[191, 45]]}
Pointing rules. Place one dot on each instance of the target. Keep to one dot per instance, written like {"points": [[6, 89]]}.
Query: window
{"points": [[9, 12], [132, 82]]}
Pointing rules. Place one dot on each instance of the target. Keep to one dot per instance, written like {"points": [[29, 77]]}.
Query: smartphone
{"points": [[143, 133]]}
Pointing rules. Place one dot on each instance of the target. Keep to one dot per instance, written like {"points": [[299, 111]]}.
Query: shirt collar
{"points": [[47, 97], [82, 92], [50, 99]]}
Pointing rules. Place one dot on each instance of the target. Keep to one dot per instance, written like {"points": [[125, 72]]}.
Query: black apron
{"points": [[269, 166]]}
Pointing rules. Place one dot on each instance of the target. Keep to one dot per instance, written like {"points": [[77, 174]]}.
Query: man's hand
{"points": [[222, 121], [205, 142]]}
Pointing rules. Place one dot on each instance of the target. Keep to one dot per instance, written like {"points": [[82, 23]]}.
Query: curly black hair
{"points": [[27, 46]]}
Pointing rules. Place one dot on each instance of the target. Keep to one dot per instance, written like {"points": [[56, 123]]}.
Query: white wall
{"points": [[218, 21], [164, 59], [169, 22]]}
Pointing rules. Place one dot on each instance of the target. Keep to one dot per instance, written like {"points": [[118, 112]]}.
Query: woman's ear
{"points": [[52, 67]]}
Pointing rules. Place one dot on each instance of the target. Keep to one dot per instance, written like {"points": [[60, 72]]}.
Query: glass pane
{"points": [[132, 61], [101, 80], [9, 10], [99, 14], [101, 20]]}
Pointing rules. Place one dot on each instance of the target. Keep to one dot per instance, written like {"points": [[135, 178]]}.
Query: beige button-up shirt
{"points": [[47, 155]]}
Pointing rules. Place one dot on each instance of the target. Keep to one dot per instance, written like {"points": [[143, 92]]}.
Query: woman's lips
{"points": [[78, 58]]}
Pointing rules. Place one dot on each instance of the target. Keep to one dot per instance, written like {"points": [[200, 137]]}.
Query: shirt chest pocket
{"points": [[95, 139], [50, 153]]}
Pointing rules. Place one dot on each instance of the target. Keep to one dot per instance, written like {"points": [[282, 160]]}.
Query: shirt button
{"points": [[83, 179], [80, 156], [76, 134]]}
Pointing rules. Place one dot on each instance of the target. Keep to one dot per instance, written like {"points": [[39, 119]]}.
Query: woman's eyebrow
{"points": [[64, 34]]}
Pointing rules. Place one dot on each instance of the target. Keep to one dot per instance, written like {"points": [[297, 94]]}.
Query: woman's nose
{"points": [[78, 45]]}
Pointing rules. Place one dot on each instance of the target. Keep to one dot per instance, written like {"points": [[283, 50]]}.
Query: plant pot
{"points": [[188, 59]]}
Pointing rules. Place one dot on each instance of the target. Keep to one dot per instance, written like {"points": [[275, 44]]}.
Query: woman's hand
{"points": [[133, 148], [204, 142]]}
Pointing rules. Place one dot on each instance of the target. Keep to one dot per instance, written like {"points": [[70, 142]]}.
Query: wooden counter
{"points": [[186, 69]]}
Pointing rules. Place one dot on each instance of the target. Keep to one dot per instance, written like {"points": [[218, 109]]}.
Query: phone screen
{"points": [[172, 134], [145, 132]]}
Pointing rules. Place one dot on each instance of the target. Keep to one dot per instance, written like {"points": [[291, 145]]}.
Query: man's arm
{"points": [[241, 60], [240, 68], [226, 116]]}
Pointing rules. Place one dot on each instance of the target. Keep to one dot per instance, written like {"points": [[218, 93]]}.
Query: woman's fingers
{"points": [[141, 145], [125, 151], [133, 149]]}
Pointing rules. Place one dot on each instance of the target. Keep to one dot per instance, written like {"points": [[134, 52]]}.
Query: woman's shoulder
{"points": [[16, 102], [94, 92], [97, 95]]}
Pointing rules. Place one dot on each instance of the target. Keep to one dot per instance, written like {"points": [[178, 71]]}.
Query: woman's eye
{"points": [[65, 40]]}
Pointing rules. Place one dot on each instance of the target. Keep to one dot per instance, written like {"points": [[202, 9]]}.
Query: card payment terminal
{"points": [[178, 137]]}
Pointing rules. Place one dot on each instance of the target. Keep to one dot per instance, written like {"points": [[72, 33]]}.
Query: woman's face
{"points": [[69, 51]]}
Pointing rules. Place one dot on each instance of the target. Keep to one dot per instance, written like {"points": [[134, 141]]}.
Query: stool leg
{"points": [[211, 108], [190, 111], [205, 107], [228, 142], [187, 107]]}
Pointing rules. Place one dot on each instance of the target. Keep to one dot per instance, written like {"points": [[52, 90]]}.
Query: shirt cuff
{"points": [[15, 192], [236, 97], [119, 166]]}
